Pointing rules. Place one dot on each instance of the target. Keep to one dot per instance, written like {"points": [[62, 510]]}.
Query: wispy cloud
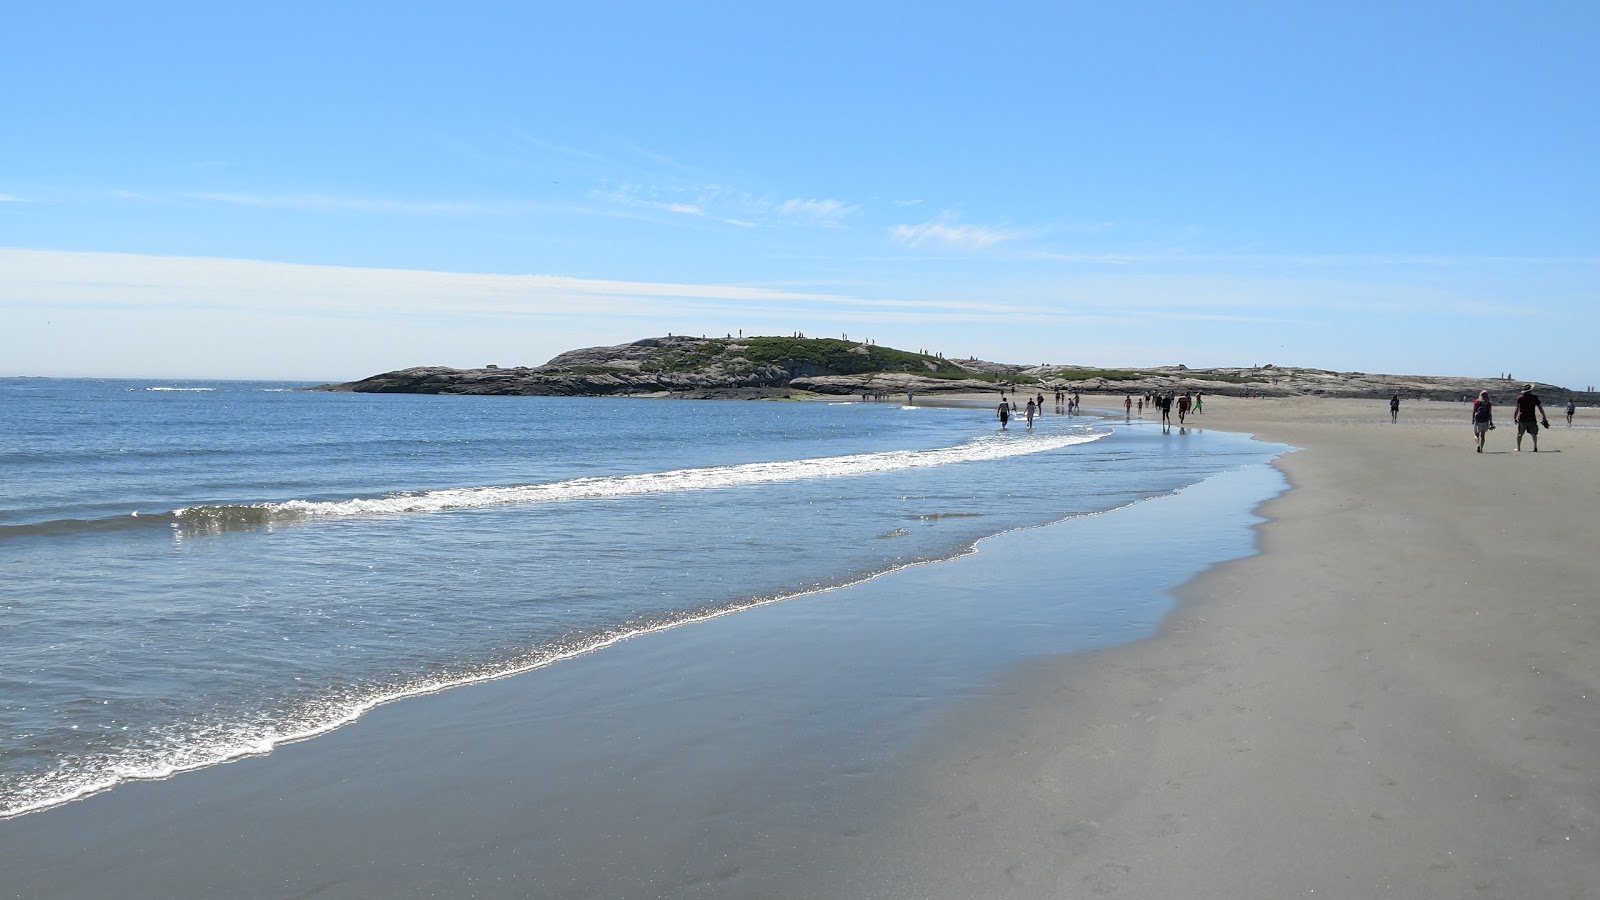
{"points": [[718, 203], [946, 231], [11, 198], [334, 203], [821, 212]]}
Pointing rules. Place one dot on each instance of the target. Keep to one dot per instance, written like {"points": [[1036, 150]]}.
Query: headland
{"points": [[765, 367]]}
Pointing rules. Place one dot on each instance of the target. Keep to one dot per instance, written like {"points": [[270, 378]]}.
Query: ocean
{"points": [[195, 572]]}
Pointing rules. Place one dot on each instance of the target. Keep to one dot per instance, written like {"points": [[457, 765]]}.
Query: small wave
{"points": [[214, 518], [54, 527], [181, 390], [233, 516]]}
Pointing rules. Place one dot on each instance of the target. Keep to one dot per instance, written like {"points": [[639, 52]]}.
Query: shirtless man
{"points": [[1527, 423]]}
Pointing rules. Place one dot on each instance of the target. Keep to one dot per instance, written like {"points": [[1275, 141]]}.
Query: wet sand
{"points": [[1399, 697]]}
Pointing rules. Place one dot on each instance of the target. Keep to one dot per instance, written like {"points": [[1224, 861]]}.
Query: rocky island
{"points": [[795, 367]]}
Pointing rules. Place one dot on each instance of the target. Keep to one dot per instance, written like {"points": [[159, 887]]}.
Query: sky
{"points": [[324, 191]]}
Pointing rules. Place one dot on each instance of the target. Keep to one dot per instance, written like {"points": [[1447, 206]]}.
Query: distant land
{"points": [[796, 367]]}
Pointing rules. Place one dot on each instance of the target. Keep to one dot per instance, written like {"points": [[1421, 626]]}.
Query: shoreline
{"points": [[1398, 695], [687, 736], [1272, 737]]}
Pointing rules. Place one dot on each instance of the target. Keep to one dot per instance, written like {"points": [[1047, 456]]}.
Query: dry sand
{"points": [[1400, 697]]}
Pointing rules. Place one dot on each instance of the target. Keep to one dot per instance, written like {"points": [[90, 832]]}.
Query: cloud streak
{"points": [[334, 203], [946, 232], [717, 203], [829, 213]]}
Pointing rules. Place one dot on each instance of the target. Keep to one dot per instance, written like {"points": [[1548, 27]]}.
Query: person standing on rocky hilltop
{"points": [[1482, 418], [1527, 423]]}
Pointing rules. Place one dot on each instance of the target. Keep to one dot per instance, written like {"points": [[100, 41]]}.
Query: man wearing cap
{"points": [[1527, 422]]}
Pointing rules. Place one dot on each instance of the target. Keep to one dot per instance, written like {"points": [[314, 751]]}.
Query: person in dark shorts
{"points": [[1527, 422], [1005, 413], [1482, 418], [1394, 408], [1572, 407]]}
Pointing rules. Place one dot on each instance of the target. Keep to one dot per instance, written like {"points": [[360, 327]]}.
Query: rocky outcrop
{"points": [[768, 367], [757, 367]]}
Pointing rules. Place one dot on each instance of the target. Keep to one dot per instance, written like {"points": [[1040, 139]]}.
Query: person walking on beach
{"points": [[1394, 407], [1571, 408], [1482, 418], [1127, 406], [1183, 407], [1005, 413], [1029, 412], [1527, 423], [1165, 402], [1141, 406], [1199, 402]]}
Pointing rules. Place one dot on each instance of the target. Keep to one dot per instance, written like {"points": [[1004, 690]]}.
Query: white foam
{"points": [[678, 480]]}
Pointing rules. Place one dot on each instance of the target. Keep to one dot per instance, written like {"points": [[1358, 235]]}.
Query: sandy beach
{"points": [[1400, 696], [1396, 697]]}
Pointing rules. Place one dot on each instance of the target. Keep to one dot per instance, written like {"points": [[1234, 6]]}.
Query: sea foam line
{"points": [[619, 486]]}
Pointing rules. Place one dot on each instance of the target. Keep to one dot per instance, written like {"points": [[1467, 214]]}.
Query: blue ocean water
{"points": [[196, 571]]}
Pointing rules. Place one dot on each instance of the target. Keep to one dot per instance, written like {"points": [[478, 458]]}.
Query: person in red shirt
{"points": [[1482, 417]]}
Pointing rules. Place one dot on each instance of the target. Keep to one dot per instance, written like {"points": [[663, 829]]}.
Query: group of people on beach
{"points": [[1165, 402], [1035, 407], [1068, 402], [1528, 414]]}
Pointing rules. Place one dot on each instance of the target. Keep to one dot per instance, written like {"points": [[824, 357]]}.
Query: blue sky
{"points": [[329, 190]]}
